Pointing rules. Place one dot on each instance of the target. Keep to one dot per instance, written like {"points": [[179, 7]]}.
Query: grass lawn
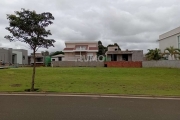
{"points": [[129, 81]]}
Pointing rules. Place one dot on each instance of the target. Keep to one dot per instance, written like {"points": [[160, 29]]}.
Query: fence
{"points": [[127, 64], [134, 64], [162, 63], [77, 64]]}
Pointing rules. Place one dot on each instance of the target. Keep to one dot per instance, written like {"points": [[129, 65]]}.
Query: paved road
{"points": [[86, 108]]}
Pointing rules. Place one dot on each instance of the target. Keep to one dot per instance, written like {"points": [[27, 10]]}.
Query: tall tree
{"points": [[178, 57], [173, 52], [29, 27], [154, 54], [101, 49]]}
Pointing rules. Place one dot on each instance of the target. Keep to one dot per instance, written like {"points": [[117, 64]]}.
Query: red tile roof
{"points": [[68, 48], [93, 48]]}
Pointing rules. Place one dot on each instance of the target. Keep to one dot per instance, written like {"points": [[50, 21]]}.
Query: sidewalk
{"points": [[89, 95]]}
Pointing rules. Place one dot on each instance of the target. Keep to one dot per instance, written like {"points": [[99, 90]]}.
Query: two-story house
{"points": [[77, 50]]}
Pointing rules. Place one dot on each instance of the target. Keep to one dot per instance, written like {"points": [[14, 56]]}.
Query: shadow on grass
{"points": [[35, 90]]}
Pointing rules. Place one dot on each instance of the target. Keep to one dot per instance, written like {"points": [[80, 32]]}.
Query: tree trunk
{"points": [[34, 71]]}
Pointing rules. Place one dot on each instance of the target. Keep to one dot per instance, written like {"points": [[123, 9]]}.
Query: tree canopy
{"points": [[173, 52], [154, 54], [29, 27]]}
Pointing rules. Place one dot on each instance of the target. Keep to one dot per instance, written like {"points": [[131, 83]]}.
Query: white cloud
{"points": [[133, 24]]}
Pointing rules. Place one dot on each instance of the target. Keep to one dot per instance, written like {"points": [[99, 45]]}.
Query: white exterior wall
{"points": [[170, 39], [57, 59], [69, 56], [75, 57], [63, 59], [167, 42], [24, 53], [92, 45], [70, 45], [18, 56], [112, 48], [170, 33], [91, 53]]}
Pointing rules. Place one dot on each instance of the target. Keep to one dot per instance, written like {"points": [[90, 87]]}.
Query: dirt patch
{"points": [[16, 85]]}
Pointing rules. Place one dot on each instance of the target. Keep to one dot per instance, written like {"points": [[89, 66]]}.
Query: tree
{"points": [[115, 44], [154, 54], [173, 52], [29, 27], [178, 54], [99, 43], [101, 49], [56, 53], [45, 53]]}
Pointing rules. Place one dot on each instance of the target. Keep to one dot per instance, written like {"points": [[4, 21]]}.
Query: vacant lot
{"points": [[130, 81]]}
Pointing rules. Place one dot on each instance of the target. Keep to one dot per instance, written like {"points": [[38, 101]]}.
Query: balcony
{"points": [[81, 48]]}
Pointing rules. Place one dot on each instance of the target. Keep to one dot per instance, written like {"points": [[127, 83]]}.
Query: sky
{"points": [[133, 24]]}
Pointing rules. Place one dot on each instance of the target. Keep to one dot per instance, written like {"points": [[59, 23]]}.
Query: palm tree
{"points": [[178, 56], [173, 52], [154, 54]]}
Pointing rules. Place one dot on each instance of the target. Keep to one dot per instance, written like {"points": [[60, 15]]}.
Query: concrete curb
{"points": [[88, 95]]}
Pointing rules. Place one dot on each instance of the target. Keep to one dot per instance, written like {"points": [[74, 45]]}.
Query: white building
{"points": [[14, 56], [59, 57], [170, 38]]}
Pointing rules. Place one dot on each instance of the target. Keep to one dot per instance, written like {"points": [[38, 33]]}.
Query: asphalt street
{"points": [[25, 107]]}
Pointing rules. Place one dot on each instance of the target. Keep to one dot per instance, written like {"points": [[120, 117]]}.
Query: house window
{"points": [[39, 60], [59, 58], [24, 57], [179, 42], [53, 59], [81, 48]]}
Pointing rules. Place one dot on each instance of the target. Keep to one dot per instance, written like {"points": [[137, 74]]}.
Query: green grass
{"points": [[124, 81]]}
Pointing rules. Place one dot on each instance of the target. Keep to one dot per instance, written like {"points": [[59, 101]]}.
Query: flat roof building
{"points": [[14, 56]]}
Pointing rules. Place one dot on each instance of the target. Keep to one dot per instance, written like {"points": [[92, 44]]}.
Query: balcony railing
{"points": [[80, 48]]}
